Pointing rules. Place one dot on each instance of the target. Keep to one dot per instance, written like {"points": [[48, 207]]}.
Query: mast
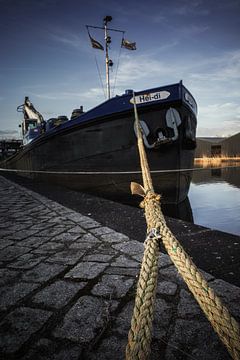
{"points": [[108, 61], [97, 45]]}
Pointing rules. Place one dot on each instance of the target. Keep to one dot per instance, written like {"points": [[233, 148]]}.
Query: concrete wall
{"points": [[231, 145], [227, 146], [203, 148]]}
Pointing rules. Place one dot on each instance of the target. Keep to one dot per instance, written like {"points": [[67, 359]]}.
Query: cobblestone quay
{"points": [[68, 286]]}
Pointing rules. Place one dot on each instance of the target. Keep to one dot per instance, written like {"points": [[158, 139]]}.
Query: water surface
{"points": [[215, 199]]}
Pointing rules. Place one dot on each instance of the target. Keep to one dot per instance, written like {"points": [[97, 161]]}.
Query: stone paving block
{"points": [[113, 286], [171, 274], [66, 238], [77, 230], [61, 220], [58, 294], [164, 260], [89, 238], [48, 248], [194, 339], [5, 242], [34, 241], [82, 245], [67, 257], [137, 257], [7, 275], [166, 288], [41, 226], [98, 258], [69, 353], [43, 272], [6, 233], [112, 270], [41, 350], [12, 252], [89, 224], [123, 320], [124, 261], [114, 237], [26, 261], [82, 220], [105, 249], [188, 306], [111, 348], [86, 270], [229, 294], [131, 247], [102, 231], [163, 313], [46, 349], [25, 221], [82, 322], [18, 326], [4, 223], [16, 227], [11, 294], [53, 231], [23, 234], [76, 217]]}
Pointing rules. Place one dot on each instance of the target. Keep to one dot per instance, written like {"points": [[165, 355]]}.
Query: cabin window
{"points": [[32, 124]]}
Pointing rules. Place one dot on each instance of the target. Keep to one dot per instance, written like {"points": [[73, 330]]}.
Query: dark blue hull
{"points": [[97, 152]]}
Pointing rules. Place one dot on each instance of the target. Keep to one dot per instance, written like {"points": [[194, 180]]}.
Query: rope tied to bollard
{"points": [[139, 337]]}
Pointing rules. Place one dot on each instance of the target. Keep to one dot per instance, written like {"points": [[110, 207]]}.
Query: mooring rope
{"points": [[131, 172], [139, 337]]}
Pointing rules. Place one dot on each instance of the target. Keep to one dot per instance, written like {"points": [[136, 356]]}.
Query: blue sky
{"points": [[46, 55]]}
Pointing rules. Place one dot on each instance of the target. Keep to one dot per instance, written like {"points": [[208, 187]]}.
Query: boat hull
{"points": [[101, 156]]}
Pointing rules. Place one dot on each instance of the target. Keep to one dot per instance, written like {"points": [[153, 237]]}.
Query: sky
{"points": [[46, 55]]}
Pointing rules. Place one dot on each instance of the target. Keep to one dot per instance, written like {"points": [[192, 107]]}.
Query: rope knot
{"points": [[150, 196]]}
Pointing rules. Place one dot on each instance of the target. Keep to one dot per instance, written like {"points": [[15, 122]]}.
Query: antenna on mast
{"points": [[109, 62]]}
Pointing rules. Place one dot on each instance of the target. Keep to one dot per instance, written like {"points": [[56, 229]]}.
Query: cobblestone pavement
{"points": [[68, 284]]}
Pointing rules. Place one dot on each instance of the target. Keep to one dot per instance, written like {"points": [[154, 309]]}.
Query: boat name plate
{"points": [[145, 98]]}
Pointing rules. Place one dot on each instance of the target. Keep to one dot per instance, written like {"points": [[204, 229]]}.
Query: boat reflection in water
{"points": [[181, 211]]}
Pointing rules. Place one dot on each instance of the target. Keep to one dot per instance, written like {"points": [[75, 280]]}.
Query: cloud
{"points": [[192, 30], [219, 68], [195, 7], [133, 70], [226, 112], [219, 131], [93, 93], [65, 95], [47, 96], [69, 39], [9, 134], [219, 119]]}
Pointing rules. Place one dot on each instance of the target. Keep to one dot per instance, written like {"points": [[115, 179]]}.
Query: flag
{"points": [[128, 45], [96, 44]]}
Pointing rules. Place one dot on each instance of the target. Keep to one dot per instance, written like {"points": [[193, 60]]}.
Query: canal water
{"points": [[215, 198]]}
